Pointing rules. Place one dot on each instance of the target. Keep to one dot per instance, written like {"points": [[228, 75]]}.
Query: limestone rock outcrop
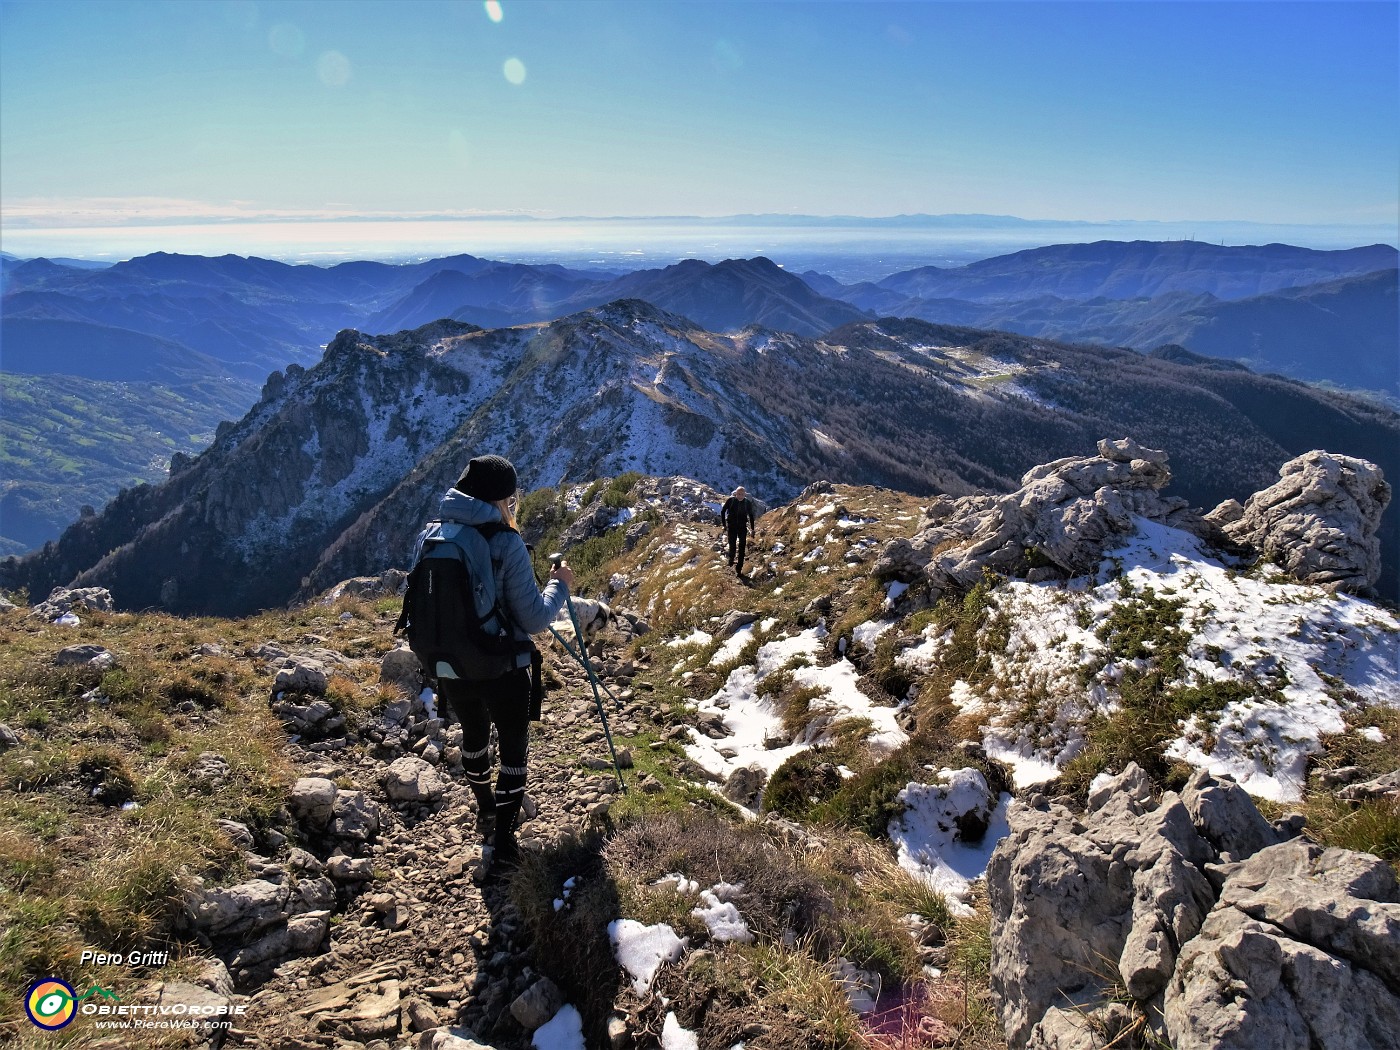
{"points": [[1223, 930], [1057, 524], [64, 601], [674, 498], [1081, 905], [1302, 949], [411, 779], [1320, 522]]}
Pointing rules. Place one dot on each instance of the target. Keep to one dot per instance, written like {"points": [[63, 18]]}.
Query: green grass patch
{"points": [[1144, 630]]}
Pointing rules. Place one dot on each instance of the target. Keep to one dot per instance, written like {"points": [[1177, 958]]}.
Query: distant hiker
{"points": [[738, 520], [485, 499]]}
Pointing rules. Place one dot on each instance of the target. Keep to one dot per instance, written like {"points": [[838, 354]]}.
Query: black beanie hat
{"points": [[488, 478]]}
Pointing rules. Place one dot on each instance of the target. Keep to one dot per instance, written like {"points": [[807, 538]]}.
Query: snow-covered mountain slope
{"points": [[333, 472]]}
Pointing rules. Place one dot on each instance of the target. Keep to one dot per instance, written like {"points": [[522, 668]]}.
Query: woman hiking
{"points": [[486, 496]]}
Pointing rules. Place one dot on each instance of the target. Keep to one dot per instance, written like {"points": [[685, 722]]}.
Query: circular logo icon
{"points": [[51, 1003]]}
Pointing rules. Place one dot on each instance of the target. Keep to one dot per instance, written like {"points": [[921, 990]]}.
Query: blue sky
{"points": [[112, 112]]}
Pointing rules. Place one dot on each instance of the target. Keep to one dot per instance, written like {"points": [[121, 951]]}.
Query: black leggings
{"points": [[506, 702]]}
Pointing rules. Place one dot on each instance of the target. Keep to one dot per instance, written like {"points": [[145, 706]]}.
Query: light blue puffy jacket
{"points": [[529, 609]]}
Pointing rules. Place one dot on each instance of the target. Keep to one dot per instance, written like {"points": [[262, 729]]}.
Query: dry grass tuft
{"points": [[104, 818]]}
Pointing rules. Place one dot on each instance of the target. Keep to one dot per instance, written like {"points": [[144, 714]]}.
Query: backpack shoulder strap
{"points": [[492, 528]]}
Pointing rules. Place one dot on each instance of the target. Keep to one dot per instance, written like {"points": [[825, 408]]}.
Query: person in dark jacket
{"points": [[738, 520], [485, 494]]}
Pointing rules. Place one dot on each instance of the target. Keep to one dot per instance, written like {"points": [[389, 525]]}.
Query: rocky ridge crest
{"points": [[1221, 928], [1319, 523]]}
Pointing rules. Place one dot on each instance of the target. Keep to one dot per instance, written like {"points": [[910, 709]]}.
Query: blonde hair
{"points": [[507, 509]]}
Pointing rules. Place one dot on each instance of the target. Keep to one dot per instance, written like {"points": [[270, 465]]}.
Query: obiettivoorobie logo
{"points": [[51, 1004]]}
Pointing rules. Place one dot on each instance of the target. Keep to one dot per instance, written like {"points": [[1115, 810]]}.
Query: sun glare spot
{"points": [[333, 68], [286, 40], [493, 10], [514, 70]]}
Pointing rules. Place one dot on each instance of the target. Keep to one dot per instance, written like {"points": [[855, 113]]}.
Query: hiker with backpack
{"points": [[471, 606], [737, 518]]}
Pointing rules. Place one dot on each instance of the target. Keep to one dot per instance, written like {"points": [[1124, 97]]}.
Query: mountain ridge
{"points": [[254, 317], [816, 696], [1131, 269], [332, 472]]}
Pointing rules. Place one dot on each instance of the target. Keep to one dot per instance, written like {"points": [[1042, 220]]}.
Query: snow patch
{"points": [[695, 637], [642, 950], [1299, 653], [927, 838], [721, 916], [563, 1031], [754, 734], [675, 1037], [733, 646], [869, 632]]}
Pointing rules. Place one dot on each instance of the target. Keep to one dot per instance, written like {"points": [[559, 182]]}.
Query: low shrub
{"points": [[868, 801], [805, 781], [571, 943], [617, 493]]}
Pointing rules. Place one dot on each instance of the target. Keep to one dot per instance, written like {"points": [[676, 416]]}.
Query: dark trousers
{"points": [[504, 701], [738, 544]]}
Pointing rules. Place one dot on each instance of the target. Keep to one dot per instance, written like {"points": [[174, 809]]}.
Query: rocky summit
{"points": [[1079, 765]]}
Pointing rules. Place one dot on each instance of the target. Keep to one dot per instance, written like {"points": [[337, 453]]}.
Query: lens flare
{"points": [[333, 68], [493, 10], [514, 69]]}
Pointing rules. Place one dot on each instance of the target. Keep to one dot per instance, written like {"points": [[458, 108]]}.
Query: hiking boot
{"points": [[503, 841], [485, 823], [485, 809], [505, 854]]}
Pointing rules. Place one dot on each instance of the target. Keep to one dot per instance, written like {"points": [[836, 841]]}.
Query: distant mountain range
{"points": [[1345, 332], [1130, 270], [332, 472], [204, 333], [1319, 316]]}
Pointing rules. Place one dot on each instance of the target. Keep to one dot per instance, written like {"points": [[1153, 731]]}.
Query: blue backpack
{"points": [[451, 611]]}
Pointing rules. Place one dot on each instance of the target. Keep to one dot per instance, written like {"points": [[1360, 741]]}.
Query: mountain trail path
{"points": [[431, 943]]}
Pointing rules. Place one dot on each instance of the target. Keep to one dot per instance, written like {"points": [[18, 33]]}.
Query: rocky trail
{"points": [[434, 941]]}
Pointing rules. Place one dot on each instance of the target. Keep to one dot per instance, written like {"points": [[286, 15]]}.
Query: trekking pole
{"points": [[569, 648], [555, 559]]}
